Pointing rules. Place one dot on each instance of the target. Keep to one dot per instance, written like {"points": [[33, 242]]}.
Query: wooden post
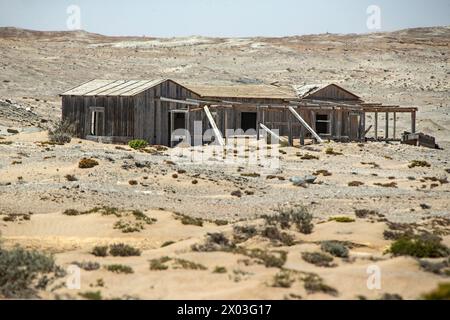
{"points": [[413, 122], [225, 112], [339, 124], [257, 122], [291, 138], [302, 136], [171, 128], [395, 125], [362, 126], [376, 125], [188, 125], [386, 133], [216, 131]]}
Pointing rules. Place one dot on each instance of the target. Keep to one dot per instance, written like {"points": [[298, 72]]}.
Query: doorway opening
{"points": [[248, 121]]}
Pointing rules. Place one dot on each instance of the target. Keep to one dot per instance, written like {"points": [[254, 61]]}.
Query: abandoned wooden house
{"points": [[122, 110]]}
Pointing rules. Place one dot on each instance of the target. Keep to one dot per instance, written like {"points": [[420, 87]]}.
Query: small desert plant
{"points": [[297, 215], [132, 182], [442, 292], [363, 213], [319, 259], [219, 222], [439, 267], [330, 151], [313, 284], [91, 295], [220, 270], [87, 265], [335, 248], [159, 264], [243, 233], [100, 251], [188, 220], [188, 265], [119, 268], [137, 144], [386, 185], [341, 219], [273, 259], [419, 163], [275, 235], [167, 243], [139, 215], [22, 272], [422, 246], [237, 193], [307, 156], [70, 177], [86, 163], [325, 173], [128, 227], [251, 175], [214, 242], [283, 279], [355, 183], [61, 133], [123, 250], [72, 212]]}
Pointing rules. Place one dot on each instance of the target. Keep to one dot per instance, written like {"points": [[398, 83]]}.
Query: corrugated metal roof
{"points": [[243, 91], [98, 87]]}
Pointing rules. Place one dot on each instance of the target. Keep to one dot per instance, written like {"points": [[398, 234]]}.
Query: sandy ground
{"points": [[406, 67]]}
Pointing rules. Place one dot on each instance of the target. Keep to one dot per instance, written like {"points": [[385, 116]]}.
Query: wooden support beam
{"points": [[413, 122], [386, 132], [216, 130], [394, 131], [272, 133], [164, 99], [303, 122], [376, 125], [291, 138]]}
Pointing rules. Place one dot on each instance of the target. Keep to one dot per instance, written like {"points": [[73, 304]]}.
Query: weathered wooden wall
{"points": [[333, 92]]}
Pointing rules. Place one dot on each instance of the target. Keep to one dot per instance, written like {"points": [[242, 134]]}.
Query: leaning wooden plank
{"points": [[272, 133], [214, 126], [303, 122]]}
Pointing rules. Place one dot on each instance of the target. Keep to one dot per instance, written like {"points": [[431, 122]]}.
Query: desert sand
{"points": [[409, 68]]}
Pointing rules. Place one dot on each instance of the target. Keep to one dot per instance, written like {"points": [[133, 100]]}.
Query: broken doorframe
{"points": [[303, 122]]}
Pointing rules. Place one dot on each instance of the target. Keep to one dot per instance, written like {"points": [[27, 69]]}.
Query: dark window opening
{"points": [[323, 124], [248, 121]]}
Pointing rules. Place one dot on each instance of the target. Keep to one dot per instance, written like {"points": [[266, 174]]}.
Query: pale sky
{"points": [[235, 18]]}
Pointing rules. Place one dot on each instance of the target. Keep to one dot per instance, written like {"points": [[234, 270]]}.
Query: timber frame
{"points": [[122, 110]]}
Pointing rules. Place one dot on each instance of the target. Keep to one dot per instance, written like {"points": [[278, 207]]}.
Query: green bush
{"points": [[159, 264], [61, 133], [87, 265], [275, 235], [423, 246], [137, 144], [283, 279], [123, 250], [100, 251], [319, 259], [313, 284], [442, 292], [23, 271], [119, 268], [297, 215], [91, 295], [86, 163], [220, 270], [335, 248]]}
